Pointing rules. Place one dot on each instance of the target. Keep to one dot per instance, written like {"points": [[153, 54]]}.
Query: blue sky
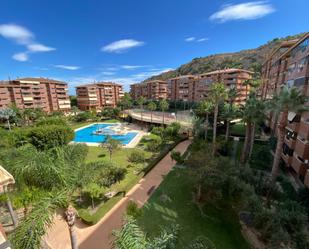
{"points": [[126, 41]]}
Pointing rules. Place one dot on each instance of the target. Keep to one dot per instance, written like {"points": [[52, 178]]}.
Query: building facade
{"points": [[154, 90], [194, 88], [291, 68], [99, 95], [47, 94]]}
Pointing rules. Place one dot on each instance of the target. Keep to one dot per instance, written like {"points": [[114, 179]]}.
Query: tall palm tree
{"points": [[230, 112], [163, 104], [217, 95], [288, 99], [253, 112], [7, 113], [141, 101], [152, 107], [206, 107]]}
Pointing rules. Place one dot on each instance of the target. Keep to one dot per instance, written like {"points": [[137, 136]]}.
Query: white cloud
{"points": [[122, 46], [190, 39], [202, 39], [243, 11], [132, 67], [72, 68], [16, 33], [23, 36], [108, 73], [20, 56], [37, 47]]}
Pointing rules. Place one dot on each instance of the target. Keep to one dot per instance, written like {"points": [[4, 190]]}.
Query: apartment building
{"points": [[50, 95], [154, 90], [232, 78], [291, 68], [98, 95], [182, 88]]}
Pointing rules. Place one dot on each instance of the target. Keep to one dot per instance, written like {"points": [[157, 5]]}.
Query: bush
{"points": [[48, 136], [261, 157], [154, 144], [84, 116], [51, 121], [19, 137], [176, 155], [159, 131], [137, 156], [133, 210]]}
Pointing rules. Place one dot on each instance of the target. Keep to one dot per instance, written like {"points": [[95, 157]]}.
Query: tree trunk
{"points": [[251, 140], [227, 132], [214, 137], [163, 118], [273, 131], [151, 116], [206, 127], [92, 203], [199, 192], [73, 237], [9, 124], [243, 157], [12, 213], [277, 157], [141, 113]]}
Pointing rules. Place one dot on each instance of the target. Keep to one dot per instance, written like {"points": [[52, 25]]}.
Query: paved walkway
{"points": [[99, 236]]}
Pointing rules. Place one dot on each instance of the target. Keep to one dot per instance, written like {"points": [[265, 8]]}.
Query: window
{"points": [[302, 63], [291, 68], [287, 151]]}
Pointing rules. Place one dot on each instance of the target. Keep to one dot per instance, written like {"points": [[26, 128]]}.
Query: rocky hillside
{"points": [[247, 59]]}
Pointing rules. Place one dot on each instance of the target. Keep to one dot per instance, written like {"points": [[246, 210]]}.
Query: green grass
{"points": [[220, 225], [238, 129]]}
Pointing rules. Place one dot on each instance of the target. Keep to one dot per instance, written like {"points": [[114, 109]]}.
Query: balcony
{"points": [[287, 159], [299, 165], [302, 148]]}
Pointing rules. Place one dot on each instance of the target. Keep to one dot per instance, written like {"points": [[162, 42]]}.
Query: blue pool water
{"points": [[86, 135]]}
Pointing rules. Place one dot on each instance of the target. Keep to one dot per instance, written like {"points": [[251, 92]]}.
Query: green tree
{"points": [[75, 110], [287, 100], [152, 107], [7, 114], [125, 102], [252, 113], [163, 104], [217, 95], [111, 145], [141, 101], [94, 191], [230, 112], [205, 107]]}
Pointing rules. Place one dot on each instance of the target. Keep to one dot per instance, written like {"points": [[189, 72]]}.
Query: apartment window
{"points": [[287, 151], [301, 138], [291, 68], [302, 63], [301, 47], [291, 135], [301, 81]]}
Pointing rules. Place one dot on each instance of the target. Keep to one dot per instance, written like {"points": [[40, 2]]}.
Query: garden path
{"points": [[99, 236]]}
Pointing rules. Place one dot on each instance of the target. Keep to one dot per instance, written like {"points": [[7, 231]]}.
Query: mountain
{"points": [[246, 59]]}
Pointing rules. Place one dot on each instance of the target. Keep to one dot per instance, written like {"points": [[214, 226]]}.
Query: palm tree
{"points": [[70, 215], [152, 107], [230, 112], [141, 101], [7, 113], [253, 112], [75, 110], [206, 107], [163, 106], [288, 99], [217, 95]]}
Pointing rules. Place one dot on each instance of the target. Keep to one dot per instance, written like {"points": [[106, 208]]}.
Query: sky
{"points": [[127, 41]]}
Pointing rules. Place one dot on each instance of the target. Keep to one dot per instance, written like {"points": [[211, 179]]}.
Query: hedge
{"points": [[162, 154]]}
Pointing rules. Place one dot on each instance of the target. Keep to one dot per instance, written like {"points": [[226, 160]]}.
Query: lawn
{"points": [[172, 203]]}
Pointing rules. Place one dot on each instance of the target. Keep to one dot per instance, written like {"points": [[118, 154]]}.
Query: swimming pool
{"points": [[86, 135]]}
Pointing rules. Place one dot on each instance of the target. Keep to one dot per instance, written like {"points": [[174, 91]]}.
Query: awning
{"points": [[5, 179], [291, 116]]}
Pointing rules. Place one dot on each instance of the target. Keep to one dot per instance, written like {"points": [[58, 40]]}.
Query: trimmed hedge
{"points": [[162, 154]]}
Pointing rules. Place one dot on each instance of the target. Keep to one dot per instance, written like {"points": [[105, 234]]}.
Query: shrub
{"points": [[51, 121], [154, 143], [159, 131], [19, 136], [137, 156], [176, 155], [261, 157], [83, 116], [48, 136], [133, 210]]}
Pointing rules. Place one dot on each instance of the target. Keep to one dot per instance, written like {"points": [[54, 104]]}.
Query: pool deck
{"points": [[126, 126]]}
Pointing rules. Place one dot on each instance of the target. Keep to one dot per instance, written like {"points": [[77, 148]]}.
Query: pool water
{"points": [[85, 135]]}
